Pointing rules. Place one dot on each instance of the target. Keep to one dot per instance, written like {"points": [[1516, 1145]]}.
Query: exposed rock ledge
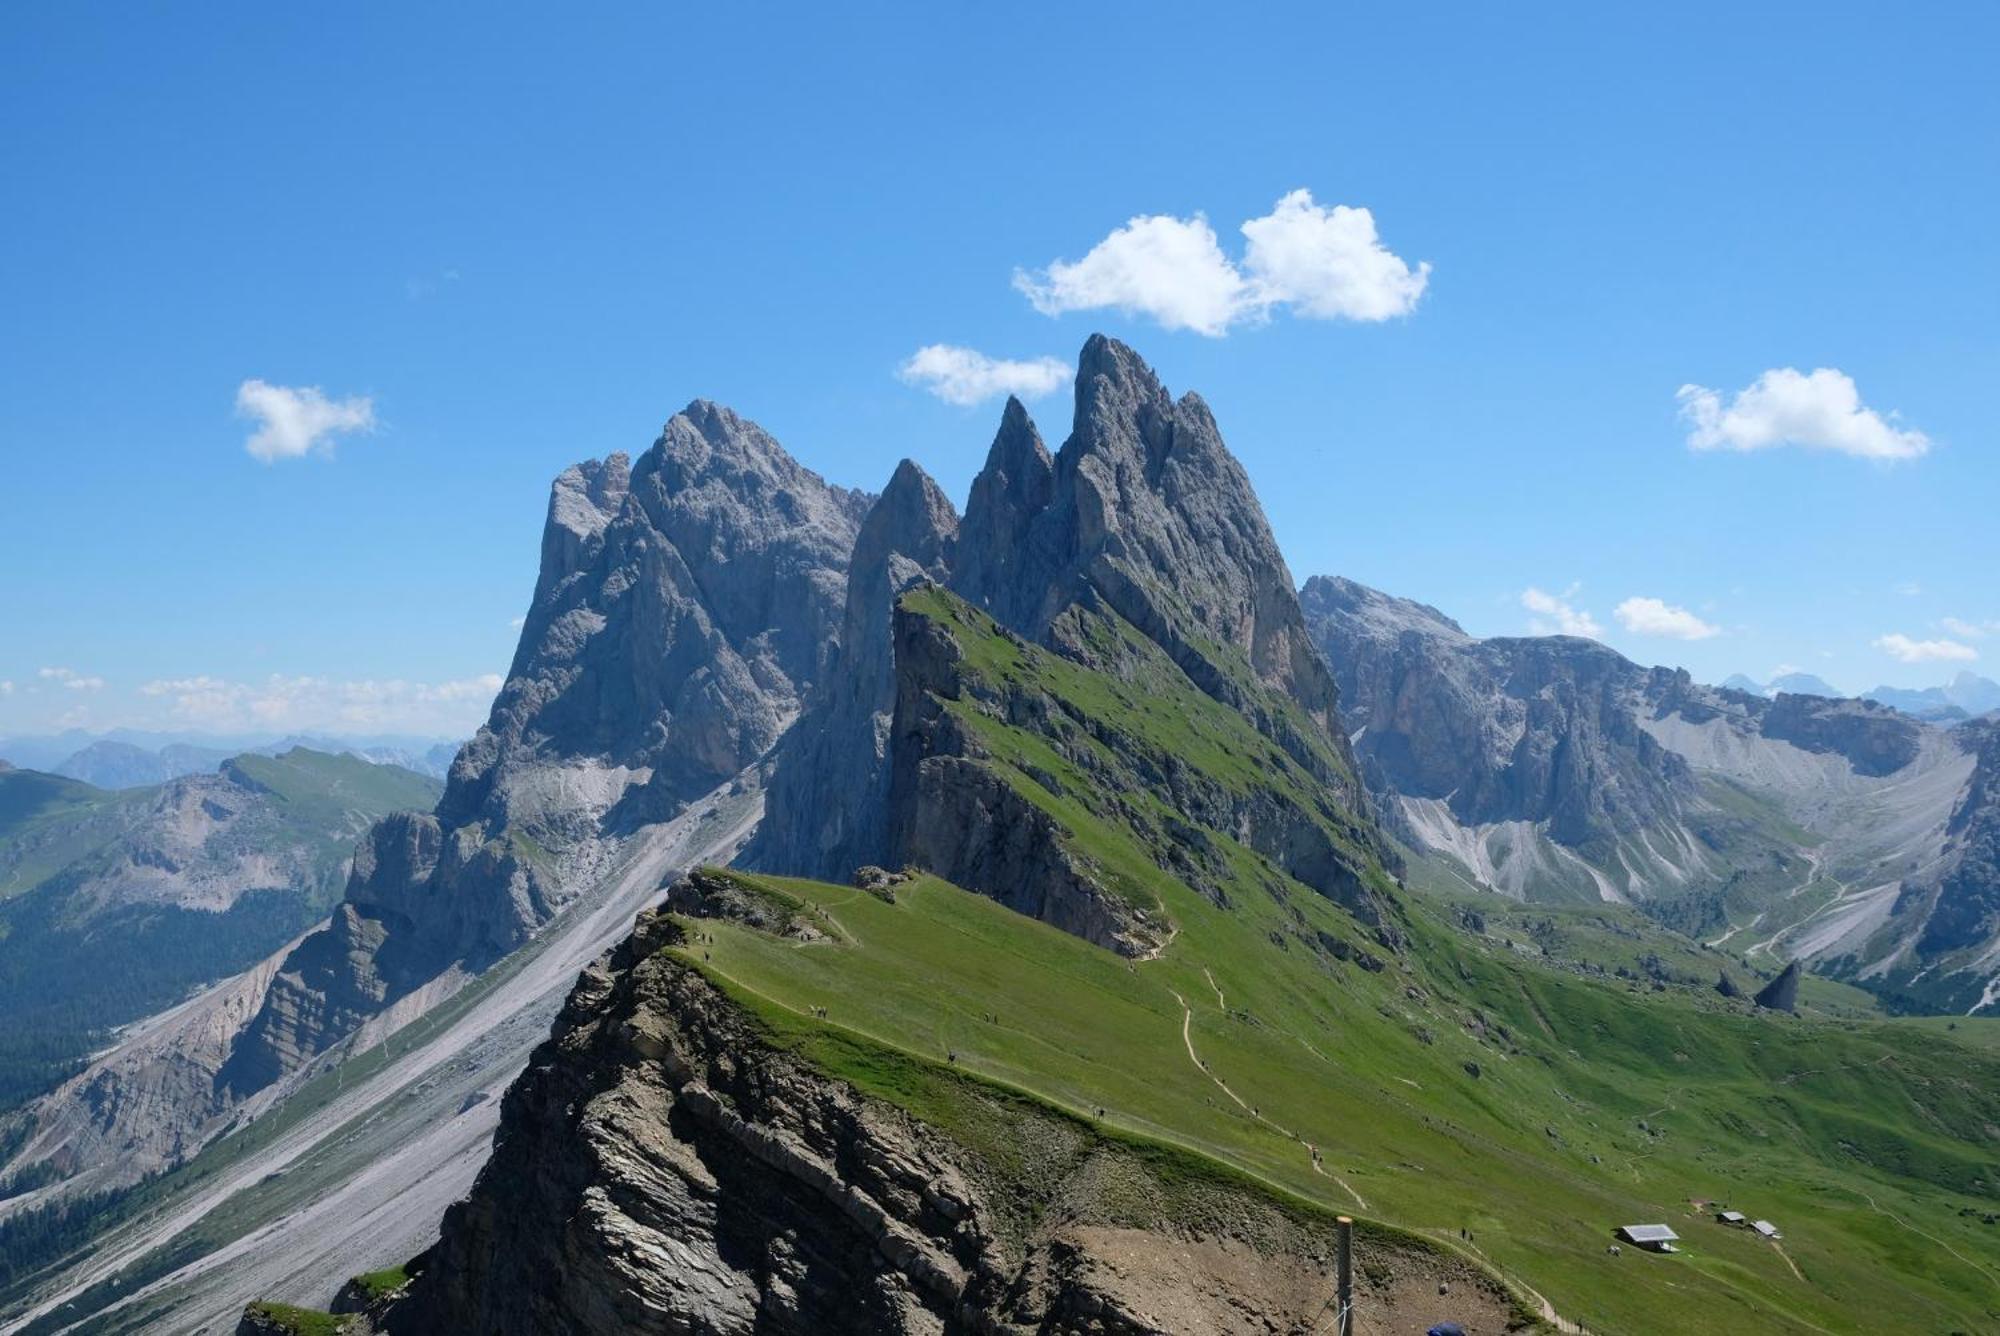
{"points": [[661, 1167]]}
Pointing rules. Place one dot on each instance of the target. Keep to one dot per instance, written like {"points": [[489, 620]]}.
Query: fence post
{"points": [[1344, 1273]]}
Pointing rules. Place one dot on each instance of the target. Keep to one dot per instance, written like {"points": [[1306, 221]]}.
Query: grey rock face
{"points": [[1511, 729], [683, 610], [657, 1168], [1966, 910], [953, 816], [1145, 508], [839, 747], [1782, 993], [1143, 513], [684, 607]]}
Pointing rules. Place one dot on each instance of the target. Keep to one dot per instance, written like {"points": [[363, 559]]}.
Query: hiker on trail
{"points": [[1446, 1329]]}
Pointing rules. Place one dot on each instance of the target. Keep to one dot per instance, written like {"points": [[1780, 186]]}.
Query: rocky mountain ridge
{"points": [[684, 605], [664, 1165], [1554, 768], [1144, 516]]}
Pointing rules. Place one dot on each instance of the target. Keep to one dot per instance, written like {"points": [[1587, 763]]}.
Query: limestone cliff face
{"points": [[827, 803], [1145, 508], [1965, 912], [684, 607], [950, 814], [1536, 729], [661, 1167], [952, 811], [1467, 743], [1143, 514]]}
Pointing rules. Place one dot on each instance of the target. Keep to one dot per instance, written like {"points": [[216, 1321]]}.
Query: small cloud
{"points": [[1969, 630], [965, 376], [518, 622], [1786, 670], [1553, 615], [296, 421], [1910, 589], [6, 687], [70, 680], [1321, 263], [1654, 617], [1902, 648], [1819, 411], [428, 285]]}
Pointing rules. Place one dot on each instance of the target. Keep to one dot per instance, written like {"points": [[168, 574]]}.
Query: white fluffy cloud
{"points": [[1901, 647], [1555, 615], [966, 376], [292, 421], [1321, 263], [1820, 410], [291, 703], [70, 679], [1328, 264], [6, 687], [1958, 626], [1655, 617]]}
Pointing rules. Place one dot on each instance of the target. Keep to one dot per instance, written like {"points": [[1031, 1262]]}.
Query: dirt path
{"points": [[1542, 1305], [1976, 1266], [1187, 1041], [1220, 1005], [1779, 1248]]}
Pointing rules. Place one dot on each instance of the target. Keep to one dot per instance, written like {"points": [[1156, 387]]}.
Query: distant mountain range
{"points": [[115, 902], [1551, 768], [1966, 696], [128, 758]]}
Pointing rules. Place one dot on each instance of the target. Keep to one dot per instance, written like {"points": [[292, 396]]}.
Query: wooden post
{"points": [[1343, 1295]]}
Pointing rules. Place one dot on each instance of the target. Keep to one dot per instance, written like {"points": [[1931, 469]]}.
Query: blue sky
{"points": [[526, 236]]}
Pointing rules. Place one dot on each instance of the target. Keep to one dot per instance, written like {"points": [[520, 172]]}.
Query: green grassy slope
{"points": [[1463, 1086], [48, 822], [77, 955]]}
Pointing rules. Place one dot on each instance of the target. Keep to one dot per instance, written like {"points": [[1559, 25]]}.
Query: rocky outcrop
{"points": [[840, 743], [1782, 993], [685, 606], [661, 1167], [1874, 739]]}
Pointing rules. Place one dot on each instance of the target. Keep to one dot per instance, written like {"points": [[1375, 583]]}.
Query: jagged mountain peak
{"points": [[911, 489], [1147, 509], [1384, 614], [1015, 486], [839, 744], [710, 447]]}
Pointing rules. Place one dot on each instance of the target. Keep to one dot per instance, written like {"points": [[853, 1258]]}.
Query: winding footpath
{"points": [[1187, 1041]]}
